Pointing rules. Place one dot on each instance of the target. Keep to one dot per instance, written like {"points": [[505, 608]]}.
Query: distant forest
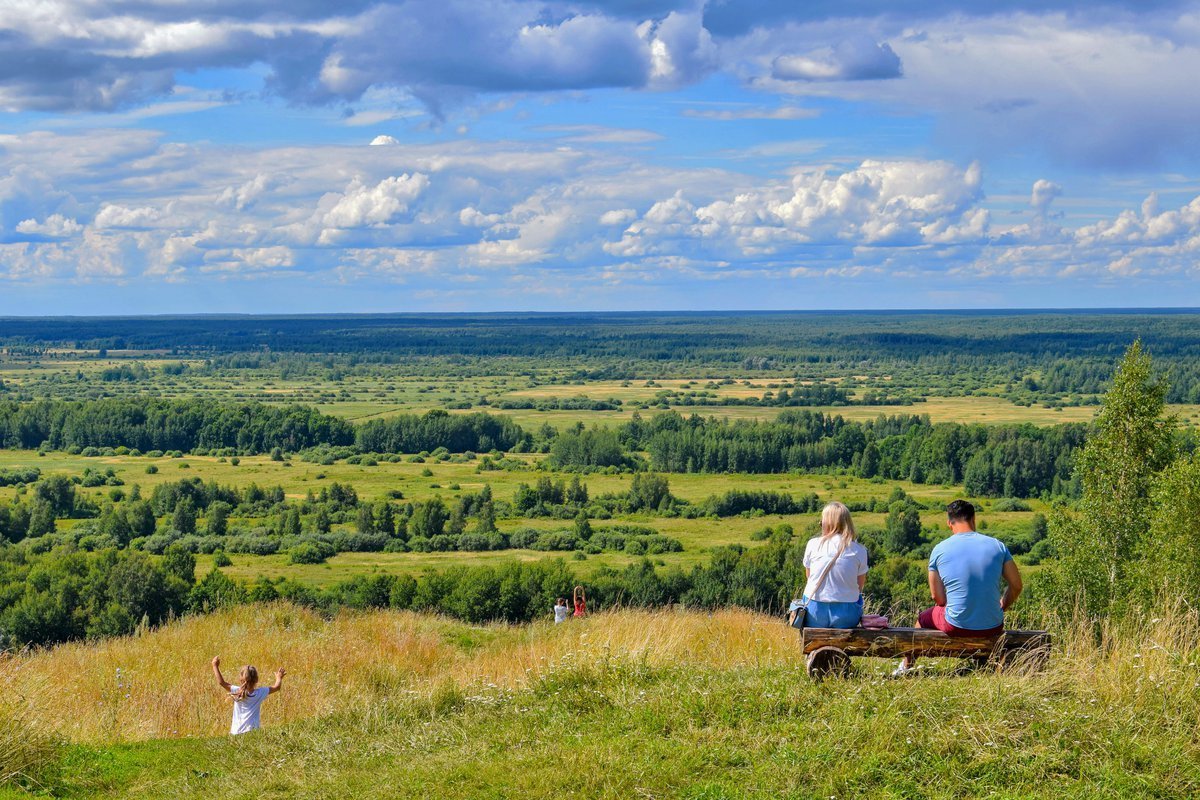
{"points": [[1071, 352]]}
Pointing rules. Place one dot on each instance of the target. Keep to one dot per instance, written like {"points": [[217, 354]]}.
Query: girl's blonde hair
{"points": [[248, 678], [835, 521]]}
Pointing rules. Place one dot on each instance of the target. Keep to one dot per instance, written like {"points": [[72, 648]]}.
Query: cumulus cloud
{"points": [[383, 140], [113, 215], [55, 225], [242, 196], [361, 205], [521, 216], [618, 216], [1043, 195], [858, 59], [899, 203]]}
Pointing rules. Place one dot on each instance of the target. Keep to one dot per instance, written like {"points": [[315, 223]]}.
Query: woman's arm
{"points": [[862, 581], [216, 665], [275, 687]]}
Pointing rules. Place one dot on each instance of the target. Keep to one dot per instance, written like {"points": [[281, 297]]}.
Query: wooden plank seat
{"points": [[828, 650]]}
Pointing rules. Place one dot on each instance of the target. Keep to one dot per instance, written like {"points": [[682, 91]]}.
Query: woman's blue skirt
{"points": [[833, 615]]}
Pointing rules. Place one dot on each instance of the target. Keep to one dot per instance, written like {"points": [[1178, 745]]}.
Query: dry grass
{"points": [[26, 745], [624, 704], [159, 684]]}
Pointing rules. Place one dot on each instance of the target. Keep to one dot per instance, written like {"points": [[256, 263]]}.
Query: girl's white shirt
{"points": [[245, 712], [842, 584]]}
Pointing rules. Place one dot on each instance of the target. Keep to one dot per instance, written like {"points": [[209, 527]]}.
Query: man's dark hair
{"points": [[960, 511]]}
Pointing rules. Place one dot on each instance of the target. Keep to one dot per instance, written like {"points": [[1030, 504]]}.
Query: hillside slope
{"points": [[629, 704]]}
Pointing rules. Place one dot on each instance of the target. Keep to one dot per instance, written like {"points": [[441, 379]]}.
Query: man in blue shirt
{"points": [[964, 580]]}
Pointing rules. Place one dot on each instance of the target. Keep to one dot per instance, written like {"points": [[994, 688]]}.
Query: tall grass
{"points": [[667, 703], [27, 749], [159, 684]]}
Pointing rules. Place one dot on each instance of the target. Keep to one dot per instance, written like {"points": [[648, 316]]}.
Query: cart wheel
{"points": [[828, 662]]}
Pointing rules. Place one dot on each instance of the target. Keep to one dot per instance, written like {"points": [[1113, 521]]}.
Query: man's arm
{"points": [[216, 665], [275, 687], [937, 589], [1012, 576]]}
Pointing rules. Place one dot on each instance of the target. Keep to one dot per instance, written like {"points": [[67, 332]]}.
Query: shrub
{"points": [[310, 552], [1011, 504]]}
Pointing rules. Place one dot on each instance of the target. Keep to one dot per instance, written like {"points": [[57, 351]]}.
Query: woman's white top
{"points": [[245, 712], [560, 613], [841, 586]]}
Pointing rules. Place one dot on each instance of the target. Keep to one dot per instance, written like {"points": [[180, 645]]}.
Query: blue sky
{"points": [[306, 156]]}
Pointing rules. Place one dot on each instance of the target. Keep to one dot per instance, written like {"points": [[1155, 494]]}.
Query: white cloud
{"points": [[55, 225], [361, 205], [855, 59], [1043, 195], [242, 196], [618, 216], [383, 140], [574, 218], [112, 215]]}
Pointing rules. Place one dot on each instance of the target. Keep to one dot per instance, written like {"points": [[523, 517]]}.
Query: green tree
{"points": [[179, 562], [385, 518], [41, 517], [458, 518], [485, 521], [583, 528], [1169, 556], [902, 529], [141, 518], [184, 517], [217, 518], [58, 492], [429, 518], [648, 491], [290, 523], [1130, 442]]}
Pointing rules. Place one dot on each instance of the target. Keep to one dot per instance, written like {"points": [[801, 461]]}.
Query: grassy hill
{"points": [[620, 705]]}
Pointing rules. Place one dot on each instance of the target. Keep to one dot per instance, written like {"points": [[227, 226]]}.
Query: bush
{"points": [[310, 552], [1011, 504], [252, 545]]}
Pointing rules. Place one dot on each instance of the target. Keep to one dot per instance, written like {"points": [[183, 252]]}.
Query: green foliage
{"points": [[902, 530], [1170, 553], [594, 447], [310, 552], [1131, 443], [157, 424], [991, 460], [61, 596]]}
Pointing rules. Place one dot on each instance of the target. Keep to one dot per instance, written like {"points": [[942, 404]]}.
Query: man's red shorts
{"points": [[936, 618]]}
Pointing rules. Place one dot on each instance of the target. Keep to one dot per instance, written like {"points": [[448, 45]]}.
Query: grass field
{"points": [[396, 390], [698, 536], [620, 705]]}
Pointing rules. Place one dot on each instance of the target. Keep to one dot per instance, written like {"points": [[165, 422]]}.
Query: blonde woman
{"points": [[835, 564], [247, 696]]}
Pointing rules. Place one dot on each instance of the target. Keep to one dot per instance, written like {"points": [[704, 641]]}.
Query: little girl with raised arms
{"points": [[247, 696]]}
